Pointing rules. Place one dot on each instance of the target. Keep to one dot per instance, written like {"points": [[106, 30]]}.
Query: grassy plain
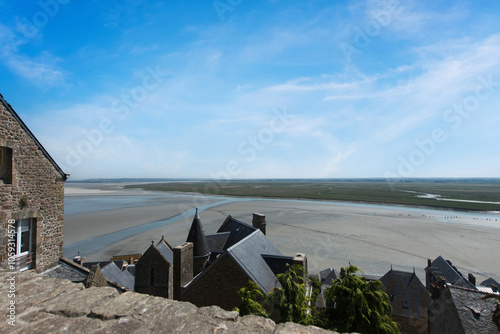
{"points": [[370, 191]]}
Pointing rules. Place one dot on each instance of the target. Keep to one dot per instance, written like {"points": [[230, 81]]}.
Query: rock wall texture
{"points": [[51, 305], [37, 180]]}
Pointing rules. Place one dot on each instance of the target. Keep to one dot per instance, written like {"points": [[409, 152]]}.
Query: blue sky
{"points": [[257, 89]]}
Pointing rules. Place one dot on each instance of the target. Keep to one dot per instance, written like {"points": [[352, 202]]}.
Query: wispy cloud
{"points": [[42, 70]]}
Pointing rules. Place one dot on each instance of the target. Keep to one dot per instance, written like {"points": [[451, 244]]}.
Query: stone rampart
{"points": [[51, 305]]}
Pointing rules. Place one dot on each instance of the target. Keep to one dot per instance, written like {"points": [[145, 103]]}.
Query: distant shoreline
{"points": [[464, 197]]}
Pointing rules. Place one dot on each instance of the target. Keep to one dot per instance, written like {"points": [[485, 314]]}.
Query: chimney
{"points": [[472, 279], [259, 221], [429, 262], [183, 267], [494, 287], [301, 260], [437, 287]]}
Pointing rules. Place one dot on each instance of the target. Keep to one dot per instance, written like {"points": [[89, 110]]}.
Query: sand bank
{"points": [[332, 234]]}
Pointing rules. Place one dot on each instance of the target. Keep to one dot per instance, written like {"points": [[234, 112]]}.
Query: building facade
{"points": [[31, 198]]}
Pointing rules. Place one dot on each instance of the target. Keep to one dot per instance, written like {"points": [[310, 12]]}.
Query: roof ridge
{"points": [[32, 136], [467, 289]]}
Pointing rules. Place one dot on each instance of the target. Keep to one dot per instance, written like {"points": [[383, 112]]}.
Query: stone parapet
{"points": [[44, 305]]}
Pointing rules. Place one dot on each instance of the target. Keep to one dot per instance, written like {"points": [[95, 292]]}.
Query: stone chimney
{"points": [[183, 267], [301, 260], [429, 263], [259, 221], [437, 287], [472, 279]]}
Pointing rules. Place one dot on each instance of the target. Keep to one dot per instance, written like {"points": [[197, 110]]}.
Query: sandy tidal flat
{"points": [[331, 234]]}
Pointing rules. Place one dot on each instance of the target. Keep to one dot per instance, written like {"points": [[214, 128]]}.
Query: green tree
{"points": [[290, 300], [355, 304], [252, 300]]}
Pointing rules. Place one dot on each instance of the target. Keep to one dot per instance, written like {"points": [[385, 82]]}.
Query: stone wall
{"points": [[35, 178], [51, 305], [411, 326], [152, 262], [218, 286]]}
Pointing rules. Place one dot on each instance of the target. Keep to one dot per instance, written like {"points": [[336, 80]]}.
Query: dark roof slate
{"points": [[32, 136], [217, 241], [323, 274], [489, 282], [475, 313], [238, 231], [115, 274], [68, 269], [166, 250], [278, 263], [409, 297], [248, 255], [332, 275], [442, 267], [196, 235]]}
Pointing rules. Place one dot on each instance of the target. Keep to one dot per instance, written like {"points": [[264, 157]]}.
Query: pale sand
{"points": [[331, 234]]}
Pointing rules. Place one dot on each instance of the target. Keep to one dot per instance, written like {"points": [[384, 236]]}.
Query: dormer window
{"points": [[5, 165]]}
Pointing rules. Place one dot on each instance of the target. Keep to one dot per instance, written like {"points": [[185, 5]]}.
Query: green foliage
{"points": [[357, 305], [316, 290], [290, 300], [251, 300]]}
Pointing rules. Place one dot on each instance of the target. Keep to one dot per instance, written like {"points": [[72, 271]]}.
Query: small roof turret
{"points": [[196, 235]]}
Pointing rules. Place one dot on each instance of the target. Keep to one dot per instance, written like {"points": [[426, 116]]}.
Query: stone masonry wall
{"points": [[218, 286], [50, 305], [163, 274], [35, 178]]}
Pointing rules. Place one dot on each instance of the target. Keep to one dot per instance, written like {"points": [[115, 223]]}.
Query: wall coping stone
{"points": [[45, 304]]}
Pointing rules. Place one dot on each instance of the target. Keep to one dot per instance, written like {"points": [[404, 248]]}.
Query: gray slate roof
{"points": [[278, 263], [102, 264], [123, 278], [166, 250], [489, 282], [409, 297], [113, 272], [238, 231], [442, 267], [217, 241], [196, 235], [67, 269], [328, 275], [248, 255], [475, 313]]}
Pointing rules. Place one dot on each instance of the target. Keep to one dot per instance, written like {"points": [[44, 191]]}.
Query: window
{"points": [[152, 282], [5, 165], [23, 240]]}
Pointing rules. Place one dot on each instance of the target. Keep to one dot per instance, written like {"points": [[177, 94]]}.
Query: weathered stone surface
{"points": [[80, 303], [35, 191], [50, 305]]}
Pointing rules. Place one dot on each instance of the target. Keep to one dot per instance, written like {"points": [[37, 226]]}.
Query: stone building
{"points": [[410, 301], [32, 198], [154, 270], [460, 310], [238, 253]]}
